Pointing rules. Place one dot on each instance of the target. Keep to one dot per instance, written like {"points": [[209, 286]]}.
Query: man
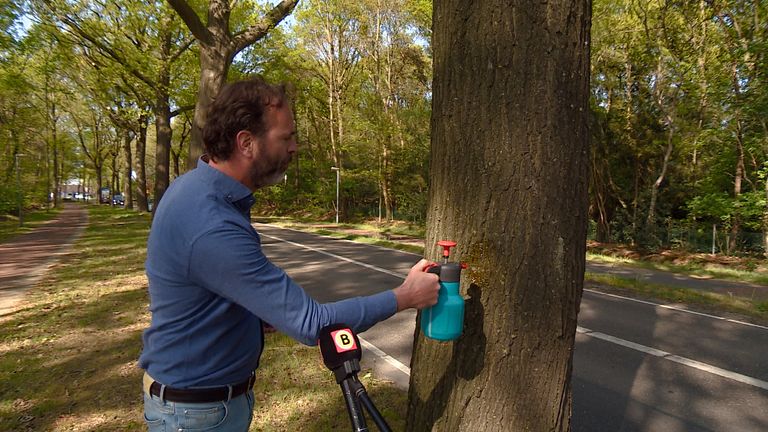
{"points": [[211, 286]]}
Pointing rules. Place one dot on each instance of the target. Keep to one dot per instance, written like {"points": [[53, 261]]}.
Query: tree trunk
{"points": [[163, 144], [128, 170], [386, 189], [733, 239], [651, 220], [629, 131], [508, 181], [218, 46], [141, 166], [176, 154], [599, 186], [214, 64], [57, 181], [114, 181], [163, 129], [765, 222]]}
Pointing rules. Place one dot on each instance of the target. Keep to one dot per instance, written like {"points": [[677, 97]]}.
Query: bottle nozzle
{"points": [[446, 245]]}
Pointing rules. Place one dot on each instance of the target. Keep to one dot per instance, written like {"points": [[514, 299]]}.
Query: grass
{"points": [[68, 357], [707, 301], [9, 226], [393, 235], [694, 269]]}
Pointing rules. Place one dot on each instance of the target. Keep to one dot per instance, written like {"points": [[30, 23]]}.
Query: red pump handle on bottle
{"points": [[446, 245], [435, 267]]}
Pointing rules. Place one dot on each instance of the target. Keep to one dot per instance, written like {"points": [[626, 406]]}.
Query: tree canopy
{"points": [[678, 96]]}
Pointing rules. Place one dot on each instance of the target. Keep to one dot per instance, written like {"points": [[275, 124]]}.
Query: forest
{"points": [[105, 94]]}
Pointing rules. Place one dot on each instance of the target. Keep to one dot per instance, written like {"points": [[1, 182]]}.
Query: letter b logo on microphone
{"points": [[344, 340]]}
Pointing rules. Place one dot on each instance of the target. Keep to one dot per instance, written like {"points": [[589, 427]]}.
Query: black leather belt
{"points": [[202, 395]]}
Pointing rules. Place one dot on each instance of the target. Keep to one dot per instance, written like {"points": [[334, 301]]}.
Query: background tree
{"points": [[154, 31], [677, 76], [678, 102], [219, 43], [508, 182]]}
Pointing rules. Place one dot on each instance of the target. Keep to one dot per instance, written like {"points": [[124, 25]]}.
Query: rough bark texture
{"points": [[508, 181], [141, 167], [214, 64], [128, 170], [163, 130]]}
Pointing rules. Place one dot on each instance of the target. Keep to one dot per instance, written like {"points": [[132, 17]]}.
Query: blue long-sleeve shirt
{"points": [[210, 286]]}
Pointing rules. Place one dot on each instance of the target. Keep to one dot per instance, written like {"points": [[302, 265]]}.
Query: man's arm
{"points": [[241, 273]]}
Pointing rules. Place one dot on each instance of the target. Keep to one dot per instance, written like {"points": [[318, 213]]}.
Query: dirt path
{"points": [[24, 259]]}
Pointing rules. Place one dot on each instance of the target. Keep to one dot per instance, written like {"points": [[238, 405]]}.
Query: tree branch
{"points": [[259, 30], [185, 46], [190, 18], [106, 50], [182, 109]]}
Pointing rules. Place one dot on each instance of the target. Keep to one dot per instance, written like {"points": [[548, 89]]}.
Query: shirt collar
{"points": [[232, 190]]}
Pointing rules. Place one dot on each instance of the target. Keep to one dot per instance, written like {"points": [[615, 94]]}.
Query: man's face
{"points": [[275, 148]]}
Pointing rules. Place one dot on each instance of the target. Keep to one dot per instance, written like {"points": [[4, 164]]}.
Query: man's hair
{"points": [[240, 105]]}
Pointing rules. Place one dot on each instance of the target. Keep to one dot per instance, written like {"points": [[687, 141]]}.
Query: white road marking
{"points": [[386, 357], [679, 309], [340, 239], [608, 338], [339, 257], [675, 358]]}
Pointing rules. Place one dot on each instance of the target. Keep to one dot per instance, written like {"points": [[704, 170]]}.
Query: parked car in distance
{"points": [[118, 199]]}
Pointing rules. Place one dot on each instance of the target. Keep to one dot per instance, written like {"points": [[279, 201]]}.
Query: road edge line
{"points": [[694, 364], [386, 357]]}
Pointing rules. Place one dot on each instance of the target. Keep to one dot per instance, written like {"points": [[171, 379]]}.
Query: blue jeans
{"points": [[232, 416]]}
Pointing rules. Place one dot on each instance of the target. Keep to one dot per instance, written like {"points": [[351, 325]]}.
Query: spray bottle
{"points": [[445, 320]]}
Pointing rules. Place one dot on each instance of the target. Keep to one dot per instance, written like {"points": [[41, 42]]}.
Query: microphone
{"points": [[340, 348]]}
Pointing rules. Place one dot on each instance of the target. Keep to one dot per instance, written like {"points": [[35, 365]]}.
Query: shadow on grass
{"points": [[69, 358], [294, 391], [73, 360]]}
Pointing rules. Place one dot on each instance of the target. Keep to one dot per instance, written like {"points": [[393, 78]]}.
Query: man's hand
{"points": [[419, 289]]}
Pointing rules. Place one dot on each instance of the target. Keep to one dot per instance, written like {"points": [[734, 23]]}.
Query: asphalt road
{"points": [[638, 366]]}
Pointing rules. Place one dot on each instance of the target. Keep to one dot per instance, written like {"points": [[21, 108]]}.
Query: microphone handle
{"points": [[371, 408], [356, 415]]}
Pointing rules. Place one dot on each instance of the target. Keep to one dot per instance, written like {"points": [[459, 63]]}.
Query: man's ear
{"points": [[245, 143]]}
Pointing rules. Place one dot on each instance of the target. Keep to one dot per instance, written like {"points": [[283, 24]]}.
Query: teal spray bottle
{"points": [[445, 320]]}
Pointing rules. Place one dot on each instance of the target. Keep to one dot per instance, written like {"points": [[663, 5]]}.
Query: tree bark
{"points": [[214, 64], [651, 219], [508, 182], [163, 129], [56, 172], [141, 166], [733, 239], [128, 170]]}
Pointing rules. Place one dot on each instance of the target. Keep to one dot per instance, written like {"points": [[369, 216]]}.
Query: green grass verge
{"points": [[9, 225], [68, 357], [693, 269], [701, 299], [384, 235]]}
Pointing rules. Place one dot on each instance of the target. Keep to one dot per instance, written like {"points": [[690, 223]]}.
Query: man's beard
{"points": [[267, 173]]}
